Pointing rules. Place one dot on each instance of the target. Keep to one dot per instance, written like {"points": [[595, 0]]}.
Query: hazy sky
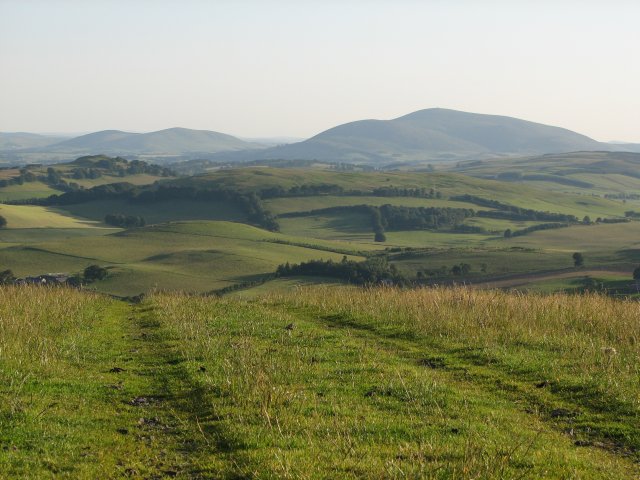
{"points": [[265, 68]]}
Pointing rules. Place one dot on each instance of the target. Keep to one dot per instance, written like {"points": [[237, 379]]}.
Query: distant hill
{"points": [[605, 173], [19, 140], [435, 133], [172, 141]]}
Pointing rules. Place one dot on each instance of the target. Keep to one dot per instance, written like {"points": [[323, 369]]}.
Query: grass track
{"points": [[218, 388]]}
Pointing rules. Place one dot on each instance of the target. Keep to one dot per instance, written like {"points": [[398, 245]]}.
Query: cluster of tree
{"points": [[392, 191], [514, 176], [92, 273], [100, 192], [256, 212], [622, 196], [460, 269], [372, 271], [120, 166], [7, 277], [85, 167], [80, 173], [632, 214], [422, 218], [462, 228], [521, 214], [508, 233], [24, 176], [578, 259], [511, 212], [3, 222], [377, 225], [612, 220], [124, 221], [305, 190]]}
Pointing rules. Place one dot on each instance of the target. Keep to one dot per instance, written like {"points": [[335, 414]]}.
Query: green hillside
{"points": [[601, 173], [234, 227], [433, 134], [330, 382]]}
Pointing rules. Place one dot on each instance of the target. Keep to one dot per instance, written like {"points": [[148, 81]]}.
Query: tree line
{"points": [[504, 211], [373, 271], [124, 221]]}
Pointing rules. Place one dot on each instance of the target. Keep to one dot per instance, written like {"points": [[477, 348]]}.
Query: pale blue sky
{"points": [[264, 68]]}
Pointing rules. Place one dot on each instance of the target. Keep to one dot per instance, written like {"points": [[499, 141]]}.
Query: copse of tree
{"points": [[124, 221], [392, 191], [461, 269], [93, 273], [636, 273], [578, 259], [422, 218], [3, 222], [7, 277], [508, 233], [377, 225], [305, 190], [372, 271], [511, 212]]}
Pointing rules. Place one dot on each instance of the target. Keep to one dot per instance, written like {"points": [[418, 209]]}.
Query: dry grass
{"points": [[42, 328], [591, 339]]}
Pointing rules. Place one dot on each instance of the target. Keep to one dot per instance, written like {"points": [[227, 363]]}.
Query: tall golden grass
{"points": [[41, 326], [590, 337]]}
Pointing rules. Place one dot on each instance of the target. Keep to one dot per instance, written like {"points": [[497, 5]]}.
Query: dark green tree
{"points": [[94, 272], [7, 277], [636, 274], [3, 222], [508, 233], [578, 259], [380, 237]]}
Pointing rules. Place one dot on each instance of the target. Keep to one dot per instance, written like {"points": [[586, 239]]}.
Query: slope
{"points": [[169, 141], [433, 134]]}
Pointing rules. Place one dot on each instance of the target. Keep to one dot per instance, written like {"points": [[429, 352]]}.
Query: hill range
{"points": [[433, 134]]}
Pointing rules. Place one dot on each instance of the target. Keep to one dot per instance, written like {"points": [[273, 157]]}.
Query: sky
{"points": [[295, 68]]}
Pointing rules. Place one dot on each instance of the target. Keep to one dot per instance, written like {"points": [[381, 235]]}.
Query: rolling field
{"points": [[191, 256], [448, 184], [200, 246], [159, 212], [331, 382], [26, 190], [31, 216]]}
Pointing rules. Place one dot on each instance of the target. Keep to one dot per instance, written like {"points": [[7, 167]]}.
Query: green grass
{"points": [[168, 211], [27, 190], [448, 184], [279, 206], [137, 179], [366, 383], [31, 216], [190, 256]]}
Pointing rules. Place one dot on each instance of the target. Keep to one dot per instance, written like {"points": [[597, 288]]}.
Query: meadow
{"points": [[319, 382], [207, 244]]}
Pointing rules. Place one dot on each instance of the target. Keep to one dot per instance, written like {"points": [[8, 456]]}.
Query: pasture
{"points": [[319, 382]]}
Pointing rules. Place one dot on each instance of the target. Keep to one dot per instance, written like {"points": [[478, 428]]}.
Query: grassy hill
{"points": [[40, 181], [602, 173], [169, 141], [437, 134], [319, 383], [201, 241], [19, 140]]}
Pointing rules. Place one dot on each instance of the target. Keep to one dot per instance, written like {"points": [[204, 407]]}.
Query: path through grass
{"points": [[323, 383]]}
